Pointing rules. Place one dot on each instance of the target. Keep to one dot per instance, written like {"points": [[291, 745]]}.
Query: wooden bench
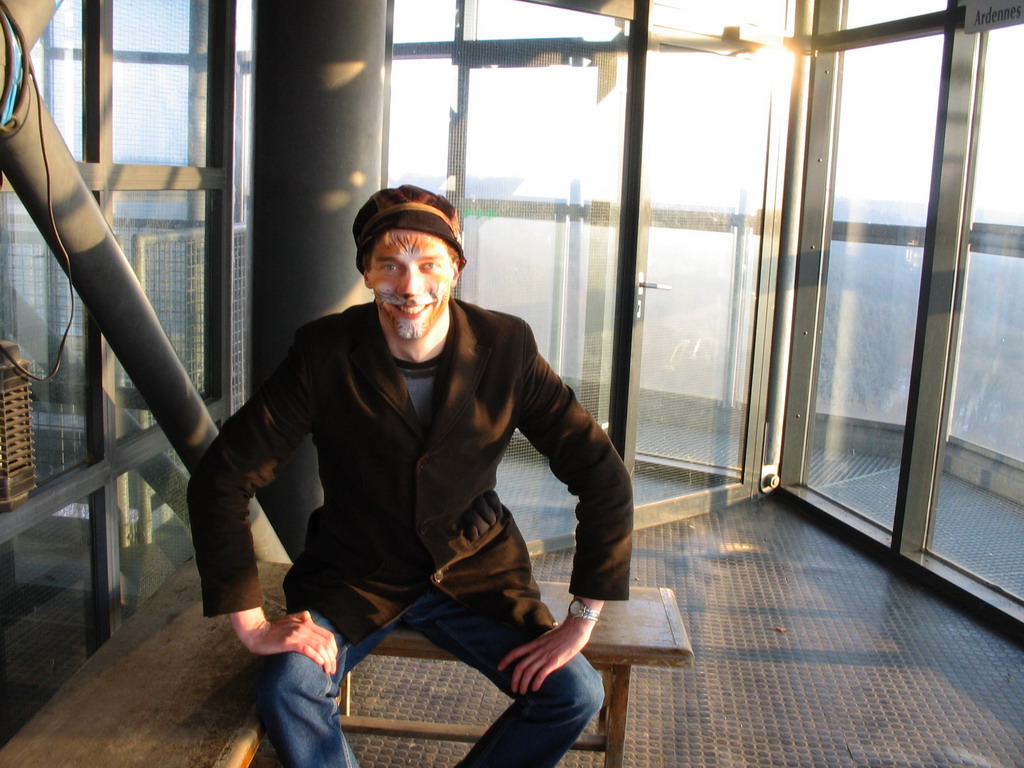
{"points": [[647, 631], [172, 688]]}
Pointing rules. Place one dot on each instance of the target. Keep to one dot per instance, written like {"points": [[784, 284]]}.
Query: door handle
{"points": [[641, 284]]}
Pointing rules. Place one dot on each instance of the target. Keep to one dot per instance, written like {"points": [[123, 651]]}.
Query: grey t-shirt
{"points": [[419, 378]]}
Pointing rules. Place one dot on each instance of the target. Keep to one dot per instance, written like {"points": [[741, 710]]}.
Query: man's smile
{"points": [[412, 309]]}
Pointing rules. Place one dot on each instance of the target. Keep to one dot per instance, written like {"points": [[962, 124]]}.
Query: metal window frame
{"points": [[945, 241], [945, 235], [109, 457]]}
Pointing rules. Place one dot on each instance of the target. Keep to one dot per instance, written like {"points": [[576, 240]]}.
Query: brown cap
{"points": [[406, 207]]}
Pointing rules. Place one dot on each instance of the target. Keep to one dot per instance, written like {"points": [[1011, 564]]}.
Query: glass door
{"points": [[706, 160]]}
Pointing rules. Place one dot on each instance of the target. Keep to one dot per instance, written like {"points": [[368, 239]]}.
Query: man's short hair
{"points": [[408, 238]]}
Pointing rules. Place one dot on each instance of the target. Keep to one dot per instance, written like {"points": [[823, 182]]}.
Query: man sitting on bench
{"points": [[411, 401]]}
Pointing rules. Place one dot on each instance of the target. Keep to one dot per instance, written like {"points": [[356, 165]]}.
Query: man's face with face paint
{"points": [[411, 275]]}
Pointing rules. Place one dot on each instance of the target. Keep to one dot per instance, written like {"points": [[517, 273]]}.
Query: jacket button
{"points": [[422, 463], [437, 577]]}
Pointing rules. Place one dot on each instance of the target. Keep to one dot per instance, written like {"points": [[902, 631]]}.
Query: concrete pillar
{"points": [[319, 105]]}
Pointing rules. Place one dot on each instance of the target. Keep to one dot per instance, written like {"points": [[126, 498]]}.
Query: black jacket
{"points": [[394, 494]]}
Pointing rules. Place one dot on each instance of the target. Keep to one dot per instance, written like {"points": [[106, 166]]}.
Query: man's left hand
{"points": [[537, 659]]}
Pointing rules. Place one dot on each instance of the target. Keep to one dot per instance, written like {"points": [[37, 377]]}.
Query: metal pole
{"points": [[318, 117], [32, 16], [789, 251]]}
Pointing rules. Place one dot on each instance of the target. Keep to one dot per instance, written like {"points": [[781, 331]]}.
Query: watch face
{"points": [[578, 610]]}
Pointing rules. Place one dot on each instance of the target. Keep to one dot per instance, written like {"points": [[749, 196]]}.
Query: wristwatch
{"points": [[578, 610]]}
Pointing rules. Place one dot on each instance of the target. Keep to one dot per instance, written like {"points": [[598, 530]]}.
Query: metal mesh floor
{"points": [[808, 654]]}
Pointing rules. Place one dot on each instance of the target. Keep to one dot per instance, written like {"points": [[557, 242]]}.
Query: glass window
{"points": [[772, 15], [46, 612], [538, 181], [243, 115], [419, 21], [861, 13], [35, 306], [153, 525], [57, 64], [423, 98], [163, 234], [979, 522], [160, 82], [540, 194], [873, 275], [241, 240], [516, 20], [543, 161]]}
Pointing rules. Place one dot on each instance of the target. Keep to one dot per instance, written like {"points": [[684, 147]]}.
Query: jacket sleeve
{"points": [[247, 454], [581, 456]]}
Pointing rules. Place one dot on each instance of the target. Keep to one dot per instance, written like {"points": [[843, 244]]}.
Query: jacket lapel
{"points": [[373, 360], [468, 365]]}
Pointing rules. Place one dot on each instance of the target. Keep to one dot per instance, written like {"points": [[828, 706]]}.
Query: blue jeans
{"points": [[296, 698]]}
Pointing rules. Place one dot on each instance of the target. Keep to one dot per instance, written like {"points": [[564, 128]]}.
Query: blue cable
{"points": [[15, 72]]}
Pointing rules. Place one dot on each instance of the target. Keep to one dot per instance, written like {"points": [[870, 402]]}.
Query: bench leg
{"points": [[345, 695], [614, 714]]}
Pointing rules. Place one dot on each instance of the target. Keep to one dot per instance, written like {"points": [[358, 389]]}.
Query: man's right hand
{"points": [[295, 633]]}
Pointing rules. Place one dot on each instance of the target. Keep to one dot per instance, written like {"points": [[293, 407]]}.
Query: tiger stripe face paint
{"points": [[411, 275]]}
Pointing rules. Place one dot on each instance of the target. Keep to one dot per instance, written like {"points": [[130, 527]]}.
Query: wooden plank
{"points": [[241, 747], [646, 630], [170, 688]]}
